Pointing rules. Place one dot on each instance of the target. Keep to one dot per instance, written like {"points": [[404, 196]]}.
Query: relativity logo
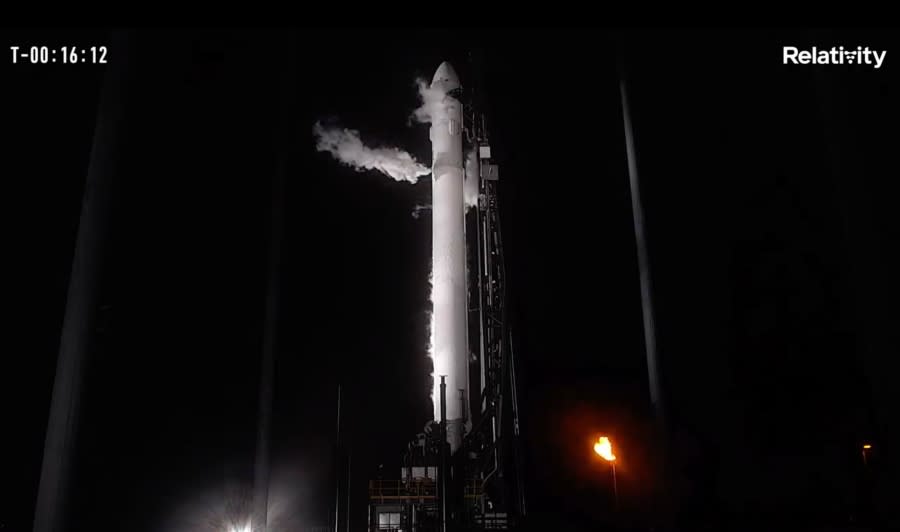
{"points": [[836, 55]]}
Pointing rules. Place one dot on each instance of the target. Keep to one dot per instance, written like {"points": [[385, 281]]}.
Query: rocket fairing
{"points": [[450, 339]]}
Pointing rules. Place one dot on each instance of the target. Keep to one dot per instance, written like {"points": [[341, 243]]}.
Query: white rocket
{"points": [[450, 339]]}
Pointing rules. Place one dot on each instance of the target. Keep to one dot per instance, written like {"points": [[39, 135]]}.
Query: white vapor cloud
{"points": [[432, 108], [347, 147]]}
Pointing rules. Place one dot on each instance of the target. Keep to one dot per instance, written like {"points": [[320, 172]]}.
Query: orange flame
{"points": [[604, 448]]}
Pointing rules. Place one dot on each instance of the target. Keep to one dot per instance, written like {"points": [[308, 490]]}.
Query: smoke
{"points": [[432, 108], [470, 185], [347, 147]]}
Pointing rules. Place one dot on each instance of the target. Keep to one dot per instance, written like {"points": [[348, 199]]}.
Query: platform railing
{"points": [[385, 490]]}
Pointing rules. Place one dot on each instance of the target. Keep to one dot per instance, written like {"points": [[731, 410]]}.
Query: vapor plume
{"points": [[347, 147], [432, 108]]}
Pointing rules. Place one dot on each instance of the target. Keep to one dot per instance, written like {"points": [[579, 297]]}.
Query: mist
{"points": [[346, 146]]}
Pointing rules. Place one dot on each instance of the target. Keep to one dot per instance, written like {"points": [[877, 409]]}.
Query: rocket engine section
{"points": [[450, 337]]}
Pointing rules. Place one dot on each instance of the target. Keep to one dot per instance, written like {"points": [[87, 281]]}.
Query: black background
{"points": [[768, 192]]}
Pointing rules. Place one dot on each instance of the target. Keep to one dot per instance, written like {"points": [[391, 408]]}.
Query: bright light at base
{"points": [[604, 448], [244, 528]]}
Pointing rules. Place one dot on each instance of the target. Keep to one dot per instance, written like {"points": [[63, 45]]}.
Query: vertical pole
{"points": [[443, 473], [615, 487], [259, 522], [653, 369], [337, 473], [347, 509], [82, 300], [337, 428], [637, 209], [262, 465]]}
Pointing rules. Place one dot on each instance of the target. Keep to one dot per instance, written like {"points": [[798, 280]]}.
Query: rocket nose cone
{"points": [[445, 77]]}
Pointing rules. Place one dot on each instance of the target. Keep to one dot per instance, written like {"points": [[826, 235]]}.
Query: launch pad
{"points": [[463, 473]]}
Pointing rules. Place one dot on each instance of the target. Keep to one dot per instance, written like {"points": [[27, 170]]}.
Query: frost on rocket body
{"points": [[347, 147], [470, 185]]}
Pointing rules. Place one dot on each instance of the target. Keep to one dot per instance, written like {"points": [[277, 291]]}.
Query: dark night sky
{"points": [[769, 200]]}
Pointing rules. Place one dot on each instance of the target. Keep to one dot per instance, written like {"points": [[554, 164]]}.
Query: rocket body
{"points": [[449, 348]]}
